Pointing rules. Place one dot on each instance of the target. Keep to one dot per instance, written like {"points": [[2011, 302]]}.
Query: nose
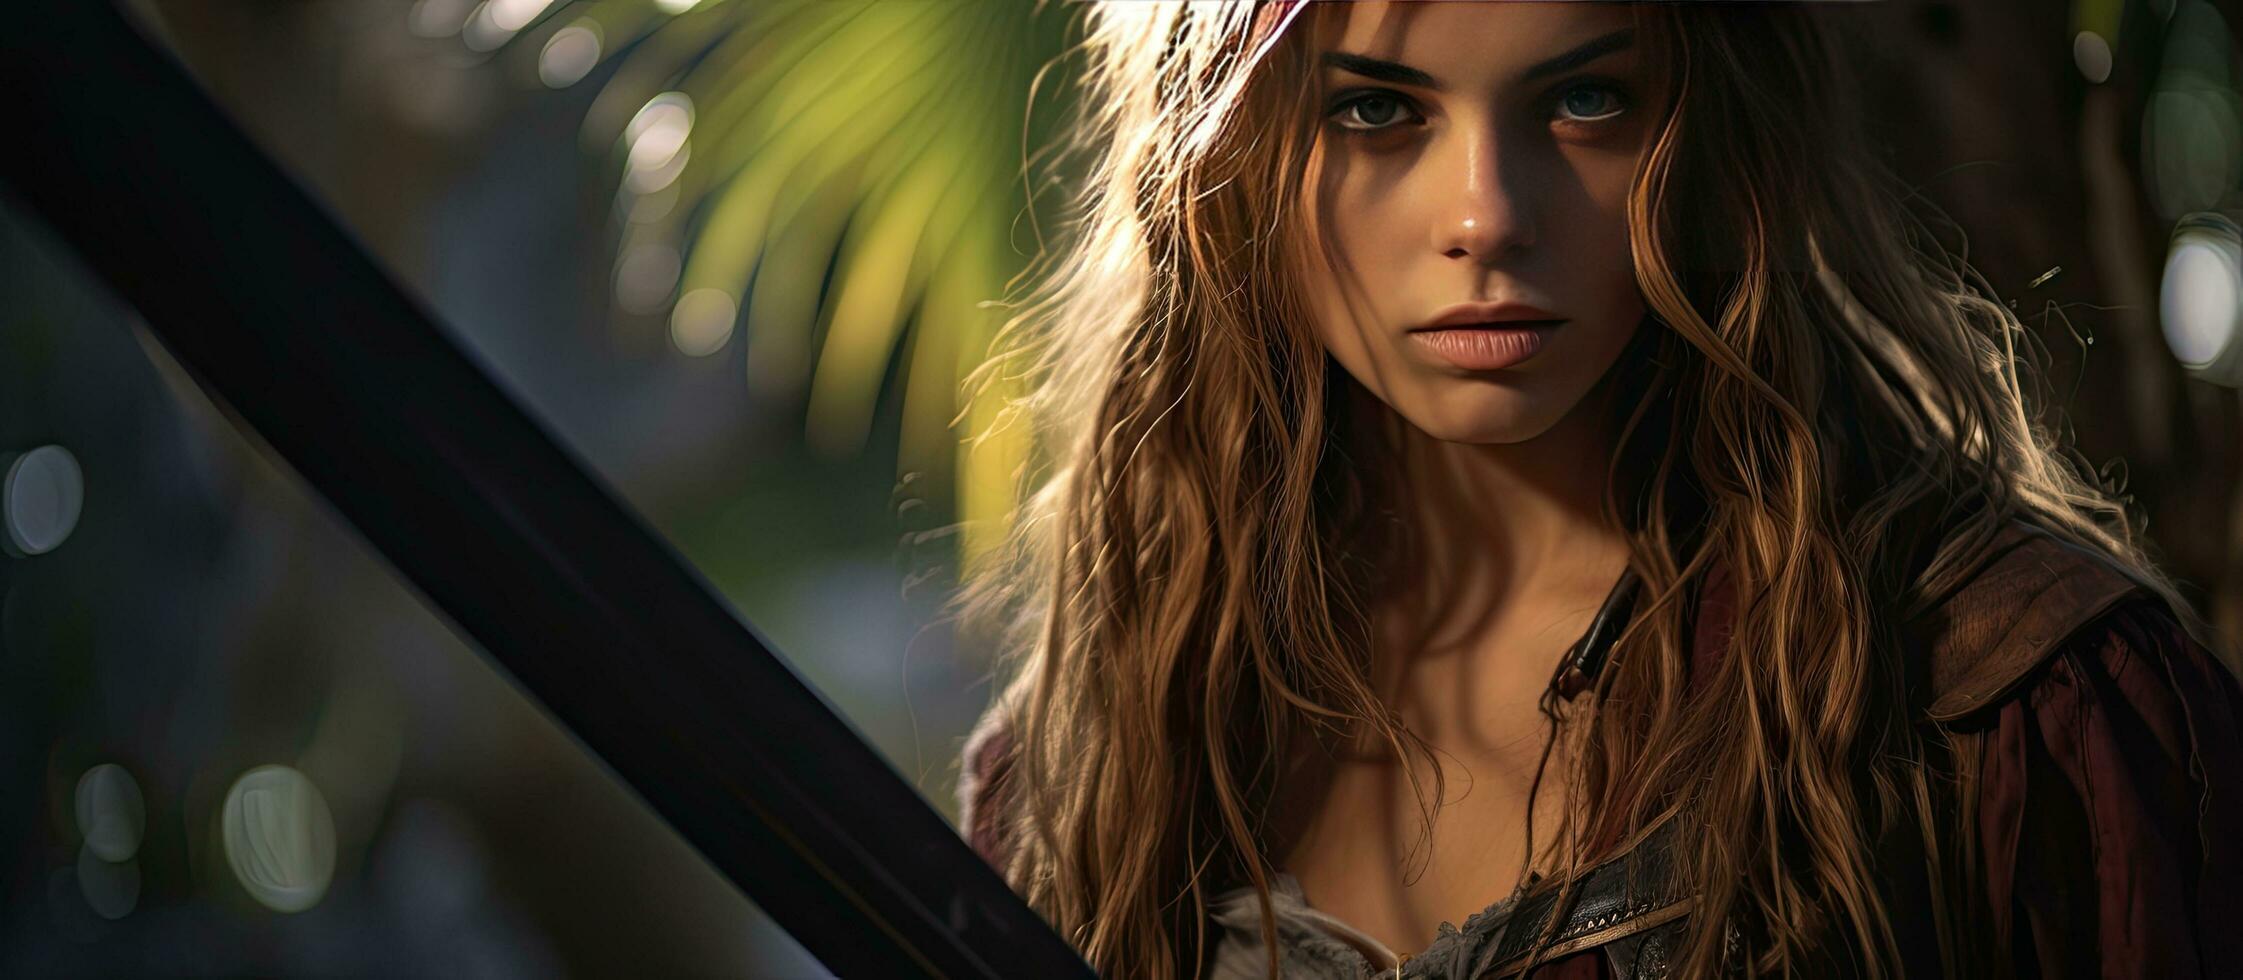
{"points": [[1489, 220]]}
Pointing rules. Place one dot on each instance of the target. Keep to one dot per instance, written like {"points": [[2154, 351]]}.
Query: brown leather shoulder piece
{"points": [[2013, 613]]}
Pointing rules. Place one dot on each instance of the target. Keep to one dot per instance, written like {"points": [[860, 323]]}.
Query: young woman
{"points": [[1520, 464]]}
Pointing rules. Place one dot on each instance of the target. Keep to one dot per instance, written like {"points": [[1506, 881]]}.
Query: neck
{"points": [[1504, 536], [1512, 515]]}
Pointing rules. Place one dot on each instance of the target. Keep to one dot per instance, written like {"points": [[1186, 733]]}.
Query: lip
{"points": [[1484, 348], [1487, 336], [1477, 314]]}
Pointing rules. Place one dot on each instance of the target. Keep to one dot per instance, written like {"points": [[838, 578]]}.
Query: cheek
{"points": [[1355, 270], [1600, 261], [1606, 181]]}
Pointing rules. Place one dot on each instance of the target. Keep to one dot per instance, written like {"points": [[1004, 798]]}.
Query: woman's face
{"points": [[1468, 258]]}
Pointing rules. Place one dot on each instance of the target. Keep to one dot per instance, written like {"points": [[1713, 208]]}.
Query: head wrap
{"points": [[1269, 25]]}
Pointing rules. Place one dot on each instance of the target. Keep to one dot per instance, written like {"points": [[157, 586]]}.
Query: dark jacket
{"points": [[2102, 751]]}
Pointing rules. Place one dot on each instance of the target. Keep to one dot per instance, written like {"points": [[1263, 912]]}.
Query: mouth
{"points": [[1487, 348], [1487, 336]]}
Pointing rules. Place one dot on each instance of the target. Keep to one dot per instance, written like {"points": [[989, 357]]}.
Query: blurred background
{"points": [[732, 253]]}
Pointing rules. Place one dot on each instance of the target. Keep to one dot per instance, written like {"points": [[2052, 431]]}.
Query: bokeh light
{"points": [[658, 142], [2194, 136], [111, 888], [279, 838], [569, 54], [702, 321], [111, 813], [41, 494], [513, 15], [2192, 132], [2201, 298], [111, 816], [2092, 55], [438, 18], [493, 23]]}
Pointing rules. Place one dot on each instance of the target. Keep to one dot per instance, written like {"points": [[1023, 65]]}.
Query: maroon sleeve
{"points": [[2112, 808], [985, 789]]}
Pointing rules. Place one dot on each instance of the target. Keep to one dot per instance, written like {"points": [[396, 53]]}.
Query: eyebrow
{"points": [[1401, 74], [1619, 40], [1385, 71]]}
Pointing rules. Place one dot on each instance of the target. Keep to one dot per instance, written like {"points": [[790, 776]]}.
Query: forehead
{"points": [[1470, 44]]}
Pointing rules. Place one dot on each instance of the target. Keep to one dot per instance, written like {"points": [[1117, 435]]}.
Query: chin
{"points": [[1484, 418]]}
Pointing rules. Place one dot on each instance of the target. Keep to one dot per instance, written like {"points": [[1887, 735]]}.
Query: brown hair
{"points": [[1829, 404]]}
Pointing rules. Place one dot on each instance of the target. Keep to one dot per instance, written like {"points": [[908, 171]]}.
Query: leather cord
{"points": [[1588, 655]]}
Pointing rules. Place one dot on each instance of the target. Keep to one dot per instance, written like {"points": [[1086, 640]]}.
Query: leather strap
{"points": [[1616, 902]]}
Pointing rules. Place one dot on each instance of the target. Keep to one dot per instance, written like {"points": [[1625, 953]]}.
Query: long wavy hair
{"points": [[1826, 402]]}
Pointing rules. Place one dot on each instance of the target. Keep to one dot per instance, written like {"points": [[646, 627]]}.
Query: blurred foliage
{"points": [[844, 188]]}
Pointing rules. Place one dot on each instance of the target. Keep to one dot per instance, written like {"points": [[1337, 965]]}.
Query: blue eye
{"points": [[1371, 111], [1591, 103]]}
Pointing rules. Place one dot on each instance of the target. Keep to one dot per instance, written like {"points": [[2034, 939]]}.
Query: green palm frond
{"points": [[840, 180]]}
